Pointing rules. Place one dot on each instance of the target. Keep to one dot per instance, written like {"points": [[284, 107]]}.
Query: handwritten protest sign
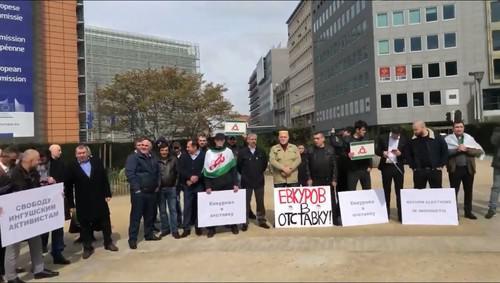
{"points": [[303, 207], [221, 208], [29, 213], [362, 149], [429, 207], [363, 207]]}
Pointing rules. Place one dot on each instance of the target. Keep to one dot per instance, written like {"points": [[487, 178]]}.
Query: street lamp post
{"points": [[478, 99]]}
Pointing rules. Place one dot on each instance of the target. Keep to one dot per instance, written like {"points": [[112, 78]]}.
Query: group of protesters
{"points": [[162, 173]]}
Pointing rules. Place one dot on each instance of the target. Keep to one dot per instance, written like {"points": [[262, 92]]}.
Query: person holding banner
{"points": [[495, 189], [252, 163], [219, 172], [426, 154], [88, 191], [463, 150], [285, 160], [358, 170], [24, 177], [390, 148]]}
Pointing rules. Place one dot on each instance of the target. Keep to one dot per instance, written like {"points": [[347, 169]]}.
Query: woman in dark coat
{"points": [[88, 190]]}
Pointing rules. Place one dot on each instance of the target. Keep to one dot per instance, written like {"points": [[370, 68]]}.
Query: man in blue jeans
{"points": [[495, 190], [143, 174], [168, 192]]}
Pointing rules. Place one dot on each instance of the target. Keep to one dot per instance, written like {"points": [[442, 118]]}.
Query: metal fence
{"points": [[118, 183]]}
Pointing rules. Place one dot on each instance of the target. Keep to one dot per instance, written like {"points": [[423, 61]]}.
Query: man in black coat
{"points": [[251, 164], [143, 174], [390, 148], [87, 190]]}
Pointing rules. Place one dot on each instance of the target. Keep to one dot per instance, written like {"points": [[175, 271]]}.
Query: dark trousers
{"points": [[2, 260], [462, 175], [389, 174], [178, 190], [342, 180], [57, 241], [285, 185], [168, 211], [259, 201], [144, 205], [322, 181], [87, 231], [361, 175], [423, 176], [191, 205]]}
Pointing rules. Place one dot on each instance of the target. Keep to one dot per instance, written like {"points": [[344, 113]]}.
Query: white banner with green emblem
{"points": [[218, 162]]}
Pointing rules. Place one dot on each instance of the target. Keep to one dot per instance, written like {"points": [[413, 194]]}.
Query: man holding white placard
{"points": [[358, 168]]}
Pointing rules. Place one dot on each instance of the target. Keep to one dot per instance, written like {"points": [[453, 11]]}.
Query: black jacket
{"points": [[436, 147], [143, 172], [322, 164], [188, 167], [303, 169], [56, 169], [88, 194], [495, 141], [252, 167], [24, 180], [168, 172], [383, 145]]}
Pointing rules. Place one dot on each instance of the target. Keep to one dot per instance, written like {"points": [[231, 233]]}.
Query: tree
{"points": [[163, 102]]}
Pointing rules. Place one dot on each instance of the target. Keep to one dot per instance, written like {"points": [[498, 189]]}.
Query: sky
{"points": [[232, 35]]}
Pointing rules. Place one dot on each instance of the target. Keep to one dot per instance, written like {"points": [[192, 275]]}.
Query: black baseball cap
{"points": [[220, 136]]}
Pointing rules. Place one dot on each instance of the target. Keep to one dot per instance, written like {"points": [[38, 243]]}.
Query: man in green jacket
{"points": [[495, 190], [285, 159]]}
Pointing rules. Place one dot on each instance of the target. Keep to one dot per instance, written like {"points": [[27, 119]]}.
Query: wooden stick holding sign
{"points": [[362, 150]]}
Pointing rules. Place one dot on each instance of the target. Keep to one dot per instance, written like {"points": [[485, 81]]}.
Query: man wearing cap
{"points": [[219, 172], [285, 159]]}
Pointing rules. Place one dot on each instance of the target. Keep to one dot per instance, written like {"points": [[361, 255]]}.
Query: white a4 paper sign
{"points": [[363, 207], [429, 207], [221, 208]]}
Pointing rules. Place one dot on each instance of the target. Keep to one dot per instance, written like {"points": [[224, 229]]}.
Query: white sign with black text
{"points": [[221, 208], [429, 207], [26, 214], [363, 207]]}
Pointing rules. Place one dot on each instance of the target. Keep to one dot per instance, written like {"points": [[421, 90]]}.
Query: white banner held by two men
{"points": [[429, 207], [363, 207], [222, 208], [29, 213], [303, 207]]}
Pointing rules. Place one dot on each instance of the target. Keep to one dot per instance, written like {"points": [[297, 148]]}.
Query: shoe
{"points": [[46, 274], [252, 215], [470, 216], [17, 280], [163, 234], [264, 225], [153, 238], [211, 233], [198, 231], [185, 233], [490, 214], [60, 259], [87, 253], [20, 270], [244, 227], [111, 247], [235, 229], [45, 250], [176, 235], [132, 245]]}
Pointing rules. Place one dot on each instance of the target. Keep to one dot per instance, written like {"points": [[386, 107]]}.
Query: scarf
{"points": [[218, 162], [468, 141]]}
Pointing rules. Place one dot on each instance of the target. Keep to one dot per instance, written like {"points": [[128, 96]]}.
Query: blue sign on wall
{"points": [[16, 68]]}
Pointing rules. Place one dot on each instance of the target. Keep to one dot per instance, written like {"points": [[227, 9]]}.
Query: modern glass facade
{"points": [[109, 53]]}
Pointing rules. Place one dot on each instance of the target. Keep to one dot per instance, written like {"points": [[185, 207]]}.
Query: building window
{"points": [[495, 11], [383, 47], [382, 20], [384, 74], [435, 97], [416, 43], [418, 99], [432, 42], [414, 16], [451, 96], [402, 100], [495, 35], [496, 69], [450, 40], [400, 72], [417, 72], [448, 12], [431, 14], [398, 18], [451, 68], [433, 70], [399, 45], [385, 101]]}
